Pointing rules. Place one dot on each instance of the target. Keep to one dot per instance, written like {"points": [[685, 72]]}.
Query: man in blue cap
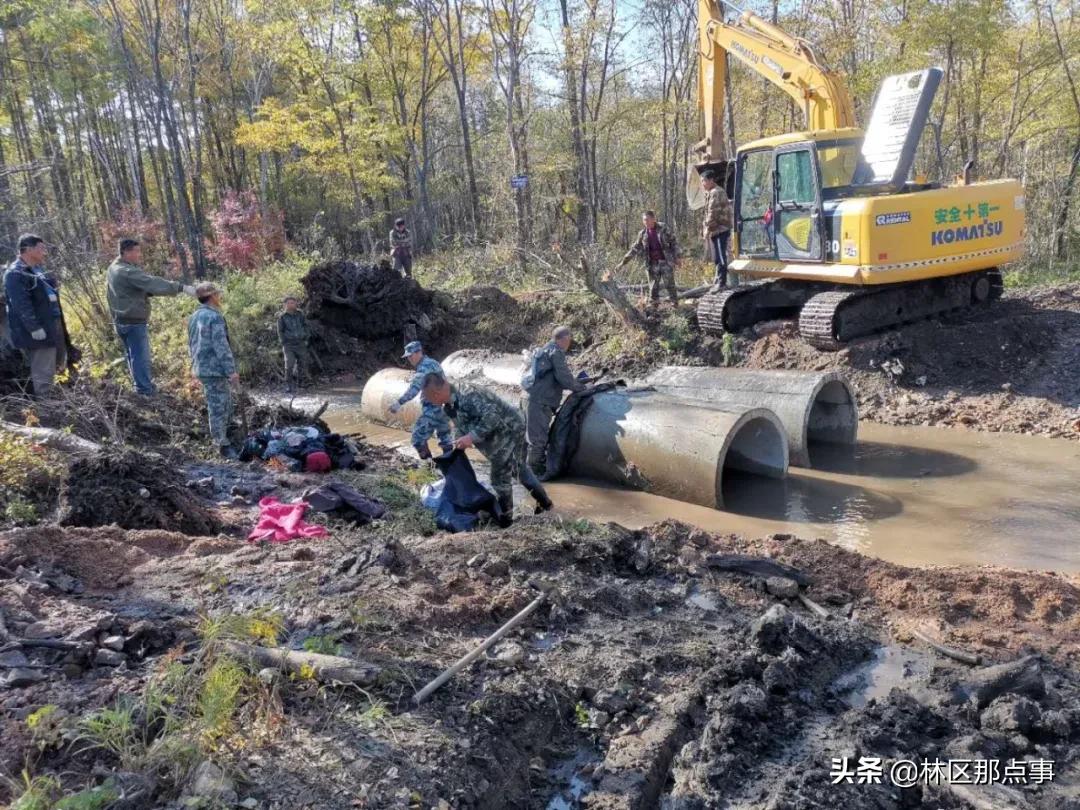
{"points": [[432, 419]]}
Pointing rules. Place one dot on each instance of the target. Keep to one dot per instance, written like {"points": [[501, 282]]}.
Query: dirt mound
{"points": [[1007, 367], [278, 415], [985, 610], [101, 558], [134, 491], [372, 302]]}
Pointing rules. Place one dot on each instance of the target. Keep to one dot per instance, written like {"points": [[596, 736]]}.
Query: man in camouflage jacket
{"points": [[495, 428], [213, 364], [657, 247], [717, 225], [432, 418]]}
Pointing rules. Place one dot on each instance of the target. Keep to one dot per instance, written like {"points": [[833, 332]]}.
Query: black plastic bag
{"points": [[463, 497]]}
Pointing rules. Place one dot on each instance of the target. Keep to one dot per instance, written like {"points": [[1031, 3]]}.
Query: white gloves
{"points": [[395, 407], [189, 289], [38, 334]]}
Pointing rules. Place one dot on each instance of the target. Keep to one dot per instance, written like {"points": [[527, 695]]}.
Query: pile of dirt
{"points": [[1007, 367], [133, 490], [651, 676], [281, 415], [103, 557], [373, 302]]}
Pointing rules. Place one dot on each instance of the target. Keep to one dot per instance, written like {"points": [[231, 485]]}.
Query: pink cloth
{"points": [[279, 522]]}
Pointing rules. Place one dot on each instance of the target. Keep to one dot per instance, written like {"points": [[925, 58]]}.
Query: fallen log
{"points": [[755, 566], [324, 668], [1023, 677], [55, 439]]}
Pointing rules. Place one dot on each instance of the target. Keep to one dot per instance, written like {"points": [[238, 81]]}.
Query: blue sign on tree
{"points": [[519, 181]]}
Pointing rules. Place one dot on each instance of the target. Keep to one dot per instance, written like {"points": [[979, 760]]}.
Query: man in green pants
{"points": [[213, 364]]}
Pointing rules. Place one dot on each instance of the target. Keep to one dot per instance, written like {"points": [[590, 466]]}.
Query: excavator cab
{"points": [[784, 188]]}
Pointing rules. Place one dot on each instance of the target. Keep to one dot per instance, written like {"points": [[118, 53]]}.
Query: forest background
{"points": [[225, 133]]}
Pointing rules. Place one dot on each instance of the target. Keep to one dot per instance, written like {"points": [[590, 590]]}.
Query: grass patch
{"points": [[324, 645]]}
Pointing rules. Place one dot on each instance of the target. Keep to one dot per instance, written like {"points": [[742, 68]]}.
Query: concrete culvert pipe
{"points": [[480, 365], [667, 446], [813, 406], [382, 390], [385, 387]]}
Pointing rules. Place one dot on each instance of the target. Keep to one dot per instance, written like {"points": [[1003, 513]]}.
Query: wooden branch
{"points": [[607, 290], [949, 652], [324, 668], [467, 659], [56, 439]]}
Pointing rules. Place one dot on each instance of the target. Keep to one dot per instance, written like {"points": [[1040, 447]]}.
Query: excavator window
{"points": [[754, 195], [838, 161], [797, 225]]}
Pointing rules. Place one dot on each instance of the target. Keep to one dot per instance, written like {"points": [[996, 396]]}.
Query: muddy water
{"points": [[917, 496]]}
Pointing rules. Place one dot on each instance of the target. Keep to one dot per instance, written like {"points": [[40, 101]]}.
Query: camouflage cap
{"points": [[206, 289], [412, 347]]}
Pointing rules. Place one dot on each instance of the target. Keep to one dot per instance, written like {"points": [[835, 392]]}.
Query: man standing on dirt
{"points": [[128, 290], [656, 245], [717, 225], [34, 317], [401, 248], [213, 364], [432, 419], [293, 332], [495, 428], [543, 383]]}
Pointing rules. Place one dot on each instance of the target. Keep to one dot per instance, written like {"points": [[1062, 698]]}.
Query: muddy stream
{"points": [[911, 495]]}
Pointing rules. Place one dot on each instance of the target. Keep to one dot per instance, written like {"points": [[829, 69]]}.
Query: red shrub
{"points": [[131, 224], [244, 238]]}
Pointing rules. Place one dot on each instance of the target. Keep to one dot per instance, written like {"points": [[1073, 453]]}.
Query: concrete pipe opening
{"points": [[756, 447], [833, 417], [672, 447], [814, 407]]}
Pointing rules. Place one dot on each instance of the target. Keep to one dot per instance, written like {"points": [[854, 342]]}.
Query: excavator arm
{"points": [[788, 62]]}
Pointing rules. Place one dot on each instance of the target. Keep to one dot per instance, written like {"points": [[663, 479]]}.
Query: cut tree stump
{"points": [[611, 294]]}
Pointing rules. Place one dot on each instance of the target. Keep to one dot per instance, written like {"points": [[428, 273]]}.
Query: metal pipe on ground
{"points": [[813, 406], [642, 439]]}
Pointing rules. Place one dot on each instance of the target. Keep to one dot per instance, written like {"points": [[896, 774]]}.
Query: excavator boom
{"points": [[787, 62]]}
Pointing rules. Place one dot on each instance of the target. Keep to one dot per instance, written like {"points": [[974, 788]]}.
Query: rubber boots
{"points": [[506, 506], [543, 502], [423, 451]]}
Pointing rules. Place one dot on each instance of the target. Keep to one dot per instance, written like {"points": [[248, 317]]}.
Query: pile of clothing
{"points": [[302, 449]]}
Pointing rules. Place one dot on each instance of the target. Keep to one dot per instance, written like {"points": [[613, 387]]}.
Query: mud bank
{"points": [[655, 675]]}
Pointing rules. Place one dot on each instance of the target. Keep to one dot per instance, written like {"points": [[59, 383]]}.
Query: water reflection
{"points": [[885, 460], [803, 499]]}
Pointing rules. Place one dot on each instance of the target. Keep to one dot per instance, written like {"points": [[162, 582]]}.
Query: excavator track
{"points": [[830, 319], [738, 308], [713, 315]]}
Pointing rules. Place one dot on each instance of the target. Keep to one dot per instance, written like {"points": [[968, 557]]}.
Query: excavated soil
{"points": [[133, 490], [649, 678], [1010, 367]]}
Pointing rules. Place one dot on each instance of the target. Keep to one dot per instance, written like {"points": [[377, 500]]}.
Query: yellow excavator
{"points": [[829, 219]]}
